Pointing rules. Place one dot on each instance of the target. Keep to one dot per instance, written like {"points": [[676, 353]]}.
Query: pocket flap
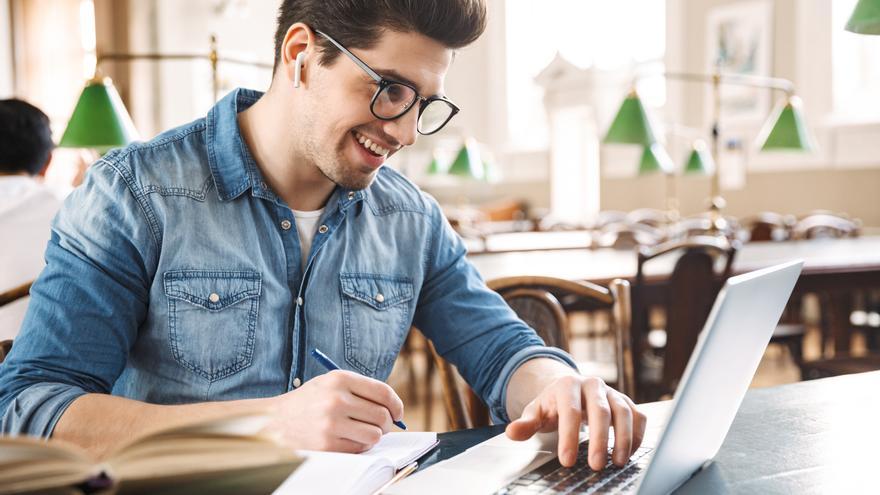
{"points": [[212, 289], [378, 291]]}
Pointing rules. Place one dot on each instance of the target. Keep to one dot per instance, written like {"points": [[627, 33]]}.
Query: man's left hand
{"points": [[571, 400]]}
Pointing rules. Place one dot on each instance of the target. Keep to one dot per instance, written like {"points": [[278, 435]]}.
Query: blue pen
{"points": [[330, 365]]}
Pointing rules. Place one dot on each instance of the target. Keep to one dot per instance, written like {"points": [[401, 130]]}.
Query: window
{"points": [[588, 33], [855, 71]]}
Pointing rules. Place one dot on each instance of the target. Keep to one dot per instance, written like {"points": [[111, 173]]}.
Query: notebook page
{"points": [[355, 474], [338, 473], [402, 448]]}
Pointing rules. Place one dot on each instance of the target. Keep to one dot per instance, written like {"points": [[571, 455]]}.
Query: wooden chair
{"points": [[607, 217], [15, 294], [822, 224], [769, 226], [536, 300], [5, 347], [826, 226], [647, 216], [701, 225], [690, 293], [7, 297], [625, 235]]}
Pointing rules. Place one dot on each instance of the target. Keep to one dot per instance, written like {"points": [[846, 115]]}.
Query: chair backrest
{"points": [[826, 225], [15, 294], [5, 347], [703, 225], [536, 300], [624, 235], [648, 216], [769, 226], [7, 297], [692, 287]]}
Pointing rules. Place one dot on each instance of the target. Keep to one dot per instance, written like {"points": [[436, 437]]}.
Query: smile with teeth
{"points": [[370, 145]]}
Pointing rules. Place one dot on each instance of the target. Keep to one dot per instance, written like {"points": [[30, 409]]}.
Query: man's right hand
{"points": [[338, 411]]}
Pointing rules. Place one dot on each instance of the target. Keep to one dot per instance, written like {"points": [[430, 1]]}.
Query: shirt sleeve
{"points": [[470, 325], [87, 304]]}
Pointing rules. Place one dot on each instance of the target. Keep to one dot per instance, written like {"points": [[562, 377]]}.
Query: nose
{"points": [[404, 128]]}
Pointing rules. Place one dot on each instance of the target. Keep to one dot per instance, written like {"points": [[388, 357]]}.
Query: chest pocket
{"points": [[212, 319], [376, 316]]}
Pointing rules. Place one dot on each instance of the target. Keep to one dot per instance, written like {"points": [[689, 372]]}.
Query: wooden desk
{"points": [[835, 266], [810, 437]]}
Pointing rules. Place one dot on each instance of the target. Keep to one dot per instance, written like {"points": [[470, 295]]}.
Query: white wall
{"points": [[6, 66]]}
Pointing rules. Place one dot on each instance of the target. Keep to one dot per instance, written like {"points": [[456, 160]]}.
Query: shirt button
{"points": [[285, 224], [351, 195], [323, 229], [380, 298], [214, 297], [297, 382], [299, 301]]}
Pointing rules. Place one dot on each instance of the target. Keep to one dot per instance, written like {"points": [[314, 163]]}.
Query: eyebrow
{"points": [[397, 76]]}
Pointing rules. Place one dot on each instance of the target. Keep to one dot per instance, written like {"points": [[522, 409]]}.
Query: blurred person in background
{"points": [[27, 205]]}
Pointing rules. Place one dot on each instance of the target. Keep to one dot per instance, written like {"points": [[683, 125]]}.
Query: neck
{"points": [[271, 139]]}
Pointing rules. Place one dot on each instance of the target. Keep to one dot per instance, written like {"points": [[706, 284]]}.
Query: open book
{"points": [[356, 474], [221, 456]]}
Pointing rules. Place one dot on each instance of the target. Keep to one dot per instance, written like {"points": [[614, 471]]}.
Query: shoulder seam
{"points": [[140, 197]]}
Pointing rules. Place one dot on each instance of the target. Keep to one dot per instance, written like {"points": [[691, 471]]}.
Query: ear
{"points": [[298, 44], [46, 165]]}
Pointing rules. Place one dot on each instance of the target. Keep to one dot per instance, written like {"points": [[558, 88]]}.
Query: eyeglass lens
{"points": [[394, 99]]}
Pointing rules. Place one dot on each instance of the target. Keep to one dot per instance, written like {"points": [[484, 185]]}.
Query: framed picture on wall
{"points": [[740, 41]]}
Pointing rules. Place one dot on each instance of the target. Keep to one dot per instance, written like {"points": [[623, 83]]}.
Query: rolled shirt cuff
{"points": [[37, 409], [498, 395]]}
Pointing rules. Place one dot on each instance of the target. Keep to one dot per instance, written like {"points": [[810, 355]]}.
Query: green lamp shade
{"points": [[468, 163], [865, 18], [655, 159], [631, 125], [700, 160], [99, 120], [434, 167], [786, 129]]}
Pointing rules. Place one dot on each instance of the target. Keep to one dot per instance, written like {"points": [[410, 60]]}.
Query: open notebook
{"points": [[356, 474]]}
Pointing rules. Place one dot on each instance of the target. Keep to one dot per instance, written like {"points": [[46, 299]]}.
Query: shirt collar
{"points": [[233, 168]]}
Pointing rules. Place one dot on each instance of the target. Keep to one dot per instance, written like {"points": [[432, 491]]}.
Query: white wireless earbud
{"points": [[297, 70]]}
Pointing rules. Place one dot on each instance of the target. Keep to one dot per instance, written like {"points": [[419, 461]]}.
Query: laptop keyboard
{"points": [[553, 478]]}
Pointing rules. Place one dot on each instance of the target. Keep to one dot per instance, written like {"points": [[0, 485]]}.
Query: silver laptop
{"points": [[707, 398]]}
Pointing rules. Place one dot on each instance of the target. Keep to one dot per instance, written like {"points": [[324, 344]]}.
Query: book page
{"points": [[28, 463]]}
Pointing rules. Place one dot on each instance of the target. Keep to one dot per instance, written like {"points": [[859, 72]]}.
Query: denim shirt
{"points": [[174, 276]]}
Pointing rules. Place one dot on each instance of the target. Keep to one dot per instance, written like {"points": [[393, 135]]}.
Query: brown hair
{"points": [[359, 23]]}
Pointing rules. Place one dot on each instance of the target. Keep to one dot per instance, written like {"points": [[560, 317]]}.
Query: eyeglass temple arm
{"points": [[376, 77]]}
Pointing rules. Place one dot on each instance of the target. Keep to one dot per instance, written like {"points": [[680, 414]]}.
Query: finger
{"points": [[359, 432], [568, 404], [599, 419], [622, 418], [345, 445], [369, 412], [528, 423], [374, 390], [640, 423]]}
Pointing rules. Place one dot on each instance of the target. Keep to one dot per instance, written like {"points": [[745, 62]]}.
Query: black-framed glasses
{"points": [[394, 98]]}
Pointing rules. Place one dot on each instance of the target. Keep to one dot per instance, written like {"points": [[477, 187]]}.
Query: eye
{"points": [[396, 93]]}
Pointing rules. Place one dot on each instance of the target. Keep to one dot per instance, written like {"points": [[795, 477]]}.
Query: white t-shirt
{"points": [[306, 225], [27, 207]]}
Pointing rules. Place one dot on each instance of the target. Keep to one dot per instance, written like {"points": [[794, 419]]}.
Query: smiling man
{"points": [[192, 274]]}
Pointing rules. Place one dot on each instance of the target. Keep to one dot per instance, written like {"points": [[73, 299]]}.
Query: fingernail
{"points": [[599, 459]]}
